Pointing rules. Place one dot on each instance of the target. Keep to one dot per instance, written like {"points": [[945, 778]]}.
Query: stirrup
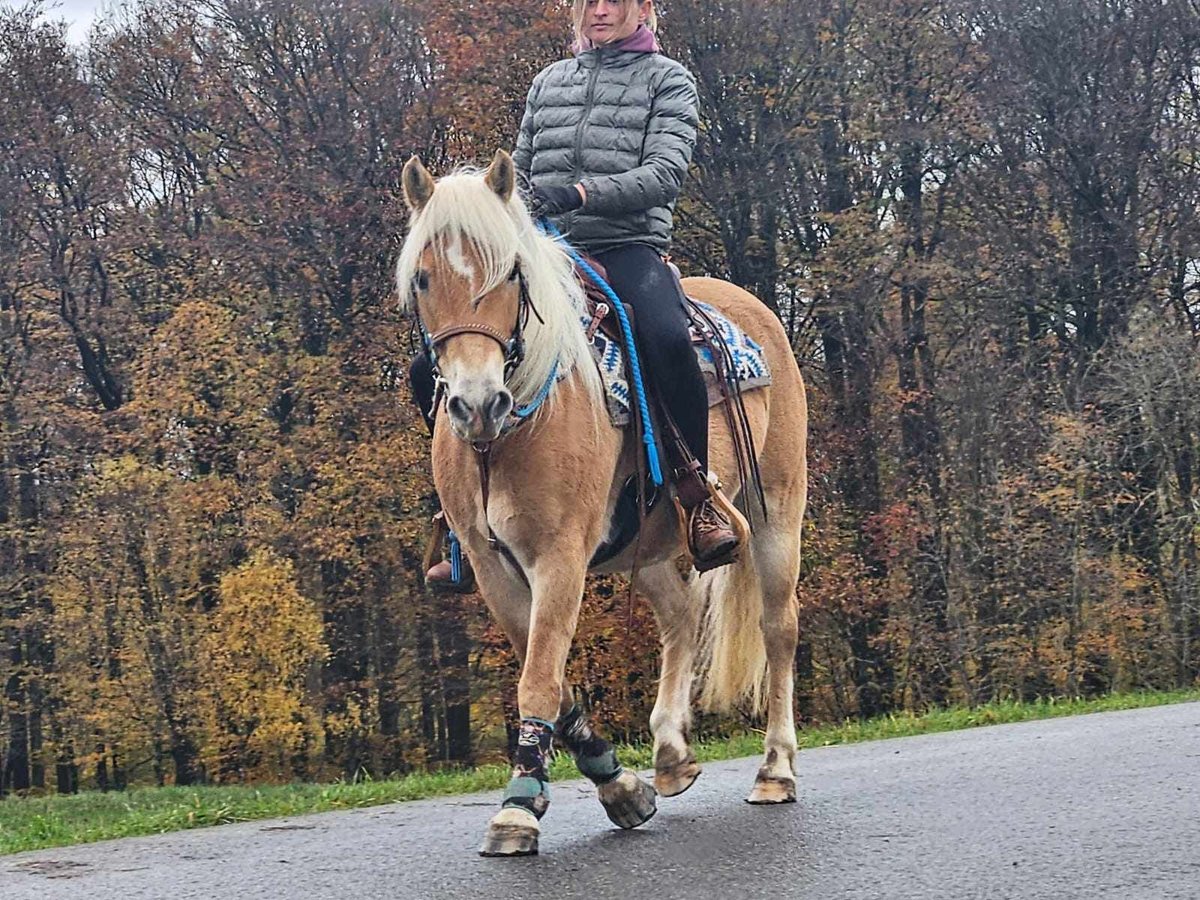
{"points": [[452, 573]]}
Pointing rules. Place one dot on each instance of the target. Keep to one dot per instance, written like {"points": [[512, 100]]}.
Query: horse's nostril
{"points": [[499, 406], [458, 408]]}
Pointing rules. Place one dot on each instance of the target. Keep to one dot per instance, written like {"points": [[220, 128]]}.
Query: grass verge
{"points": [[38, 822]]}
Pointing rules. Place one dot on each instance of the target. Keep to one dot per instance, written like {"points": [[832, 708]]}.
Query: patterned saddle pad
{"points": [[749, 362]]}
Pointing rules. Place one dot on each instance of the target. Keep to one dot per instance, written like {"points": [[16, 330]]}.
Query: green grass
{"points": [[54, 821]]}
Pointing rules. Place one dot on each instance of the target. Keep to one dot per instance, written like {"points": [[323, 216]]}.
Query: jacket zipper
{"points": [[589, 101]]}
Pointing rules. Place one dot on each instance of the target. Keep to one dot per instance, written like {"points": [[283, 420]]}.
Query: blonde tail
{"points": [[733, 654]]}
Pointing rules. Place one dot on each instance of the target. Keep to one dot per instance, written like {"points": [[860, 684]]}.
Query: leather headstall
{"points": [[512, 344]]}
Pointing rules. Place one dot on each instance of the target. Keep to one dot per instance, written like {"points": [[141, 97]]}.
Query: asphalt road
{"points": [[1092, 806]]}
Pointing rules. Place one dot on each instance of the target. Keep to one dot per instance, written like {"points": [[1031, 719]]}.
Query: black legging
{"points": [[640, 277], [420, 376]]}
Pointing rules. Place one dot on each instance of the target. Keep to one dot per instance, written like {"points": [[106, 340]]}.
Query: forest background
{"points": [[979, 221]]}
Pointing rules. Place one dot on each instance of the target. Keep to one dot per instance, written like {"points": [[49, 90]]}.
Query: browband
{"points": [[470, 328]]}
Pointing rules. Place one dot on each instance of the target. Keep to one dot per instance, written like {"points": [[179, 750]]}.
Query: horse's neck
{"points": [[573, 429]]}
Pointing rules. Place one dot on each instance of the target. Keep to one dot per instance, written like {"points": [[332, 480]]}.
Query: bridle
{"points": [[513, 344]]}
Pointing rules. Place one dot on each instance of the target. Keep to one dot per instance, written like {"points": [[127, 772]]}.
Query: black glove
{"points": [[554, 201]]}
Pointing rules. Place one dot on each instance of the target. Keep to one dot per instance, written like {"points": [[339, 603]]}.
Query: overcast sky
{"points": [[77, 13]]}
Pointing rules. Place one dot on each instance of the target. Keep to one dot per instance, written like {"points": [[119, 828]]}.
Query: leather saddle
{"points": [[604, 317]]}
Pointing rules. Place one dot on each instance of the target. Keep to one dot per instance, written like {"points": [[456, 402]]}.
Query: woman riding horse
{"points": [[524, 455], [603, 149]]}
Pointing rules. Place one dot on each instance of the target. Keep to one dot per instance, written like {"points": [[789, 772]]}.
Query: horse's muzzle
{"points": [[479, 418]]}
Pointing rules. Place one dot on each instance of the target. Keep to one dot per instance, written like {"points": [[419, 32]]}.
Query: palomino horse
{"points": [[500, 305]]}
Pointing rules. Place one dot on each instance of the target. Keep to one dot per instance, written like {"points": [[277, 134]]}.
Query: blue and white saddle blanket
{"points": [[749, 362]]}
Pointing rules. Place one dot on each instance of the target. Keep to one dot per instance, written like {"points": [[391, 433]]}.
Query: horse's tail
{"points": [[733, 654]]}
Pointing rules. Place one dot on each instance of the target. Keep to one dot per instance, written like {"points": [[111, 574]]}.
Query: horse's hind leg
{"points": [[777, 554], [677, 613]]}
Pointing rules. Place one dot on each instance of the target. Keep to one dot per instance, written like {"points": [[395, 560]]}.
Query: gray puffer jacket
{"points": [[623, 124]]}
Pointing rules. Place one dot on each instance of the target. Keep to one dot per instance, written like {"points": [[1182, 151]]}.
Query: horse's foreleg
{"points": [[627, 799], [777, 552], [514, 830], [677, 613], [557, 592], [556, 586]]}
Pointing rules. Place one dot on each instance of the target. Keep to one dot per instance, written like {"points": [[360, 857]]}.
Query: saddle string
{"points": [[739, 451], [639, 467], [735, 403]]}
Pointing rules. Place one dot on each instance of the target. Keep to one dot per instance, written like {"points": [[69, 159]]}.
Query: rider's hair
{"points": [[579, 6]]}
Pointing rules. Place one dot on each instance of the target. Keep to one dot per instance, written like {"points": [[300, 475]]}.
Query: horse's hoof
{"points": [[512, 832], [769, 789], [628, 800], [674, 780]]}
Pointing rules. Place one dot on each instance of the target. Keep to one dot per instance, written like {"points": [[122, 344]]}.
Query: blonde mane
{"points": [[501, 233]]}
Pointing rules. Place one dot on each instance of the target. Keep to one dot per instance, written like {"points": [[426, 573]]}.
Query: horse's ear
{"points": [[417, 184], [501, 175]]}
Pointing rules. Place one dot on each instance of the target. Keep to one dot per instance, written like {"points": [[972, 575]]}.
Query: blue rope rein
{"points": [[524, 412], [635, 368]]}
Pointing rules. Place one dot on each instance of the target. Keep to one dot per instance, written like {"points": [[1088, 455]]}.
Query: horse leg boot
{"points": [[627, 799], [677, 613]]}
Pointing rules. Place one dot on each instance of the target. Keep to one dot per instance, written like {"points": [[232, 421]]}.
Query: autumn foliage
{"points": [[977, 220]]}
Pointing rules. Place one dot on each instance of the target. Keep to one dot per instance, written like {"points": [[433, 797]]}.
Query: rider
{"points": [[603, 149]]}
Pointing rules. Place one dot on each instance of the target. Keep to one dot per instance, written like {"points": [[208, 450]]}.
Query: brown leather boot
{"points": [[440, 577], [439, 572], [711, 538]]}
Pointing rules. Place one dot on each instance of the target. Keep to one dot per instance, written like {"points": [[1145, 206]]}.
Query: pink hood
{"points": [[641, 41]]}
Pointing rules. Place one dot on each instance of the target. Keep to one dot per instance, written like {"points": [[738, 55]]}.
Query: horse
{"points": [[529, 469]]}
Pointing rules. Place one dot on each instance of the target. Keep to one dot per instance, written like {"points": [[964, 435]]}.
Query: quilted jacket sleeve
{"points": [[670, 139]]}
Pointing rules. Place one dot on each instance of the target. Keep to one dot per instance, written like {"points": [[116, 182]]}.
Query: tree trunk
{"points": [[455, 647]]}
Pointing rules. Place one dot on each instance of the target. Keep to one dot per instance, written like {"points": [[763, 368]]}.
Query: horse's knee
{"points": [[539, 695]]}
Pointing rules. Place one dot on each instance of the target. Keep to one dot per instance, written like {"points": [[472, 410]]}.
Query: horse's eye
{"points": [[515, 273], [420, 282]]}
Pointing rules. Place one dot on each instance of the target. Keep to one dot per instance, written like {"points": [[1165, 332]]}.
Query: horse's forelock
{"points": [[500, 233], [463, 208]]}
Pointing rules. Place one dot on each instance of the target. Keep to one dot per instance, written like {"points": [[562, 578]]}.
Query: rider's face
{"points": [[606, 21]]}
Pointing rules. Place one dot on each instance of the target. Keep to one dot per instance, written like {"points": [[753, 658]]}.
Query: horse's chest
{"points": [[535, 493]]}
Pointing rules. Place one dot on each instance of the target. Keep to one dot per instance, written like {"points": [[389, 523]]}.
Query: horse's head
{"points": [[460, 272]]}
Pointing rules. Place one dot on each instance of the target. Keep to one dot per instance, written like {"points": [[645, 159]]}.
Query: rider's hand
{"points": [[554, 201]]}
